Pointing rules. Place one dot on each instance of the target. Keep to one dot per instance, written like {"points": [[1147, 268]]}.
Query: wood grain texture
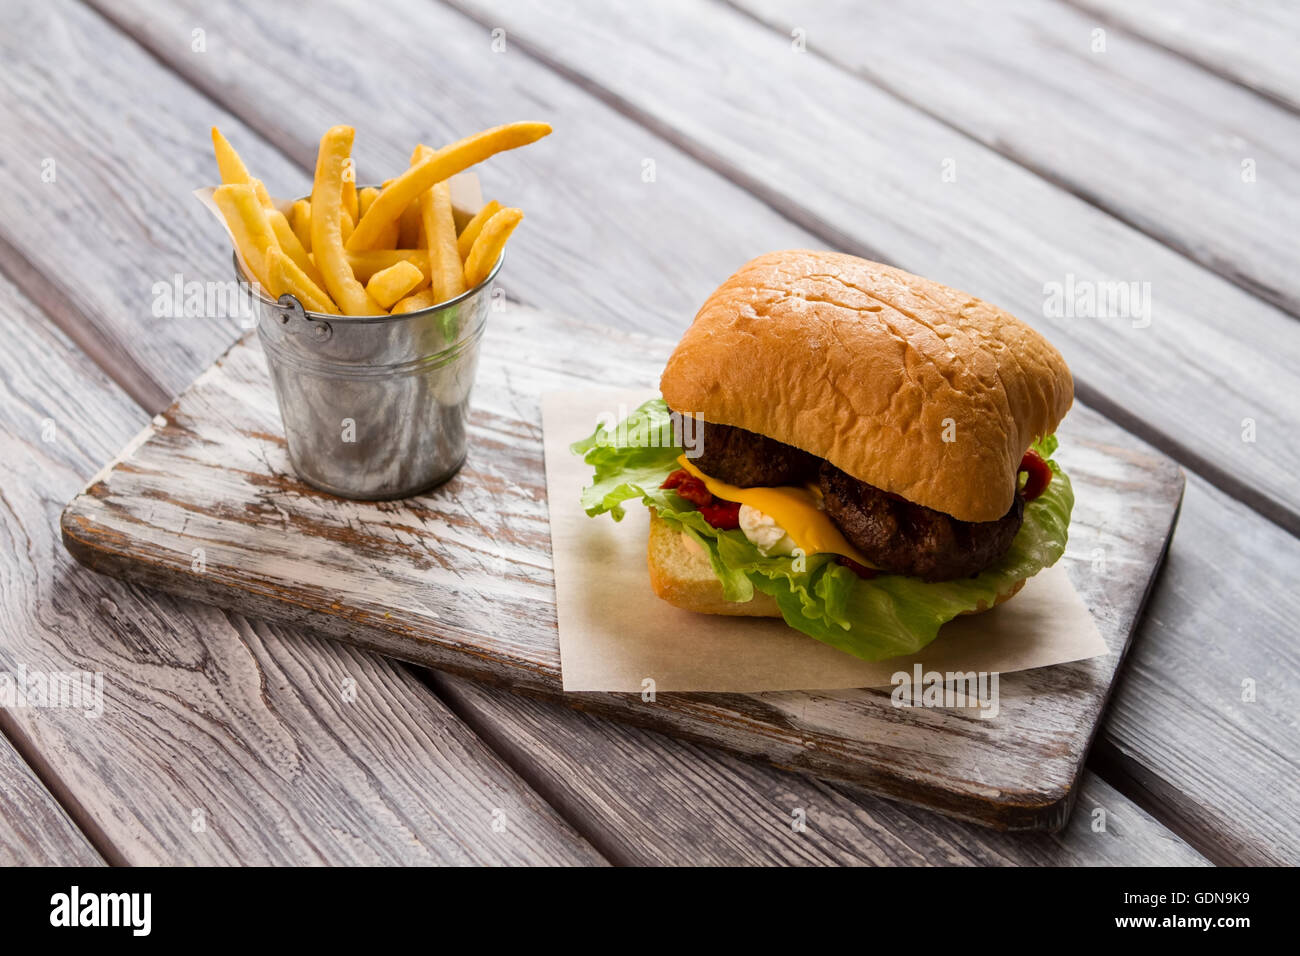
{"points": [[562, 264], [34, 829], [648, 799], [1213, 762], [1149, 137], [599, 242], [1253, 42], [460, 579], [696, 252], [864, 171], [1217, 758], [97, 205], [290, 749]]}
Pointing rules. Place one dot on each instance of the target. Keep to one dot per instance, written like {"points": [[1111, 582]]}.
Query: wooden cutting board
{"points": [[203, 504]]}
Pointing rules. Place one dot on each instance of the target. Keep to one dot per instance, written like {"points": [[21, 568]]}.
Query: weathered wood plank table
{"points": [[997, 148]]}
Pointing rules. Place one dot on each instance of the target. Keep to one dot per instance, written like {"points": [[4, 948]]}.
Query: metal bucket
{"points": [[374, 407]]}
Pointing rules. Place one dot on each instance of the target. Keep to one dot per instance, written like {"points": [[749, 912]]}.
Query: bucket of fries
{"points": [[371, 305]]}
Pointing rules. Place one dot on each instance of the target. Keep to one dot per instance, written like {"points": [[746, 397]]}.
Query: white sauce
{"points": [[764, 533]]}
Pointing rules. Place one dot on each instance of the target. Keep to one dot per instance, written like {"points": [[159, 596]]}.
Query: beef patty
{"points": [[749, 459], [905, 538]]}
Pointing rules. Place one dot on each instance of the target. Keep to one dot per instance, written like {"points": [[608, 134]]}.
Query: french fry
{"points": [[350, 202], [489, 245], [345, 225], [252, 231], [388, 238], [302, 222], [446, 271], [365, 197], [326, 227], [233, 172], [408, 227], [413, 303], [291, 245], [435, 168], [474, 227], [229, 165], [366, 264], [285, 276], [395, 282]]}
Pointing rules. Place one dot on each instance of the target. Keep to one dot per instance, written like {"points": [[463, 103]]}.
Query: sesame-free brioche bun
{"points": [[904, 383], [682, 575]]}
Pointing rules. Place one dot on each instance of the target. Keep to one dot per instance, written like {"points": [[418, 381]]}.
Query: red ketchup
{"points": [[723, 515], [860, 570], [1039, 475]]}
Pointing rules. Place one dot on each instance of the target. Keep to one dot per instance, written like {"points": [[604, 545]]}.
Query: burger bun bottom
{"points": [[683, 576]]}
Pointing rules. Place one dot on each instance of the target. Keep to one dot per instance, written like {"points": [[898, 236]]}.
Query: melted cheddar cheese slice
{"points": [[793, 507]]}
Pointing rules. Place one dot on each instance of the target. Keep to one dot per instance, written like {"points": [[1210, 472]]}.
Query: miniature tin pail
{"points": [[375, 407]]}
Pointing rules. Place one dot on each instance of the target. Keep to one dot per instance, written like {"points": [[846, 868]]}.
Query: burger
{"points": [[858, 450]]}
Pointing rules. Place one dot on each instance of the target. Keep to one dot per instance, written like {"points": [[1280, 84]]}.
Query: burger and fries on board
{"points": [[871, 451]]}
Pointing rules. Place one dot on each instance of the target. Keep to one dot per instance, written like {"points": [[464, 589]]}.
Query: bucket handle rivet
{"points": [[320, 331]]}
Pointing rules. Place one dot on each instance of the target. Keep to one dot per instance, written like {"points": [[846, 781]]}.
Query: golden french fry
{"points": [[249, 225], [395, 282], [345, 225], [489, 245], [475, 226], [388, 238], [234, 172], [229, 165], [302, 222], [326, 226], [435, 168], [285, 276], [291, 245], [416, 301], [232, 168], [408, 227], [365, 197], [350, 203], [366, 264], [446, 271]]}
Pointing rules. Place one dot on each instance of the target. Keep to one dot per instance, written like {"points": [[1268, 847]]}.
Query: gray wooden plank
{"points": [[100, 148], [1251, 41], [865, 171], [34, 829], [220, 740], [1219, 768], [648, 799], [1149, 137], [598, 241]]}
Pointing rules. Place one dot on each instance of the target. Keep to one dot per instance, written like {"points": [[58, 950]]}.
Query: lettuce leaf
{"points": [[884, 617]]}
